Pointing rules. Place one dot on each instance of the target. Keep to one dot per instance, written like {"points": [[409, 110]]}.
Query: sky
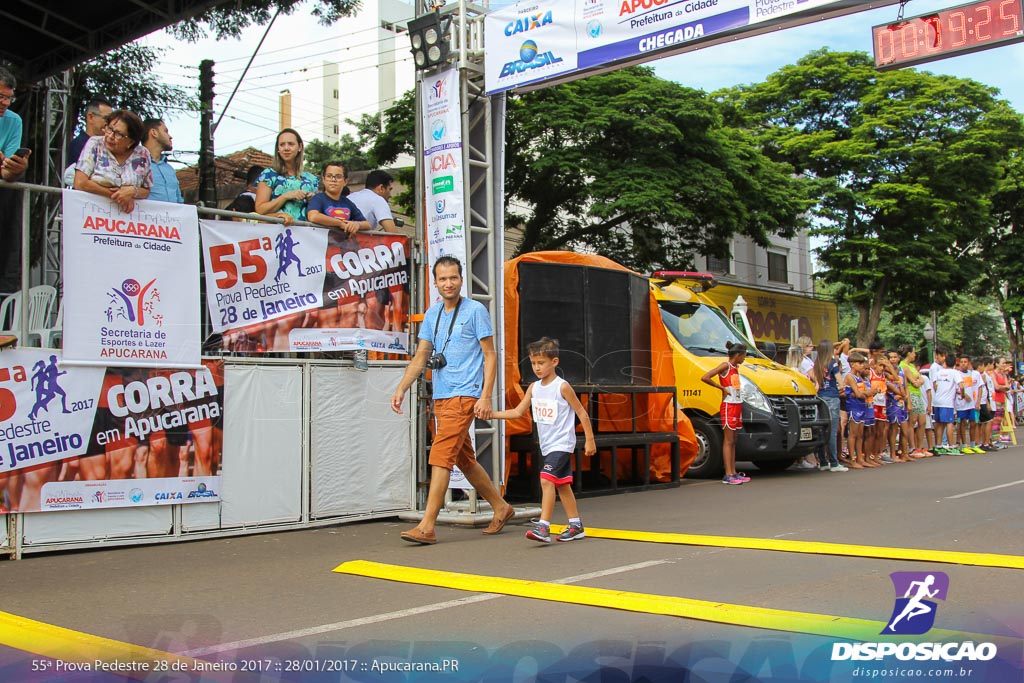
{"points": [[297, 41]]}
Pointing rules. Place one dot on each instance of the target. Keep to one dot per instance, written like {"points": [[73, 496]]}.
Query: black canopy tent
{"points": [[43, 37]]}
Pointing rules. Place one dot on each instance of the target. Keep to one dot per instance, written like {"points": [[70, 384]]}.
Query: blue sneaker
{"points": [[573, 532], [541, 534], [733, 479]]}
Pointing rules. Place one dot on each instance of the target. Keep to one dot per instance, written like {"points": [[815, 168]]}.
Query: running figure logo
{"points": [[44, 382], [914, 612], [285, 249], [132, 301]]}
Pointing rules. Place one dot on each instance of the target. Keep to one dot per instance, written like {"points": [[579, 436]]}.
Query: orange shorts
{"points": [[732, 416], [452, 446]]}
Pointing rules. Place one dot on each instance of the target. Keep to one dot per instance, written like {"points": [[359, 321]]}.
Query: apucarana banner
{"points": [[131, 283], [444, 170], [84, 437], [532, 42], [275, 288]]}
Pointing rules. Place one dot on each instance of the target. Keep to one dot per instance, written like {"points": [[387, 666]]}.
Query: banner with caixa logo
{"points": [[86, 437], [131, 283]]}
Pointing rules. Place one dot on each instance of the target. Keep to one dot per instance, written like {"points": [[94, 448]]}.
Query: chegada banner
{"points": [[531, 42], [276, 288], [131, 283], [85, 437]]}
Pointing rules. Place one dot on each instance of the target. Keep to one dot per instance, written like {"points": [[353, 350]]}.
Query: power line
{"points": [[323, 40]]}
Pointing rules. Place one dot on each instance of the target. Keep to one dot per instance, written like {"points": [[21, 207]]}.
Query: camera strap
{"points": [[451, 326]]}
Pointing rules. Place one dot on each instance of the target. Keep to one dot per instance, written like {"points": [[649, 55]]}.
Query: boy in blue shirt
{"points": [[329, 208]]}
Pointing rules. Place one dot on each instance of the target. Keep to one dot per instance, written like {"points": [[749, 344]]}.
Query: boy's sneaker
{"points": [[541, 534], [573, 532], [839, 468], [886, 459]]}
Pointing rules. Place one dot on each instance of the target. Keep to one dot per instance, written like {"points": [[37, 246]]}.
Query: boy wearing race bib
{"points": [[553, 403]]}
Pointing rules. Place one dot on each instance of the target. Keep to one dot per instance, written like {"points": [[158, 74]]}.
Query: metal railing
{"points": [[21, 325]]}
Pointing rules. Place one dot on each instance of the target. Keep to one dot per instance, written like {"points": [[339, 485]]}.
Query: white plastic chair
{"points": [[10, 310], [48, 335], [40, 303]]}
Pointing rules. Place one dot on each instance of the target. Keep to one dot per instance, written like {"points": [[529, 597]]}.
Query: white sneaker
{"points": [[838, 468], [804, 465]]}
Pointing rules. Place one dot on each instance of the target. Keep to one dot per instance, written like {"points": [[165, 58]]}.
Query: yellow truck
{"points": [[771, 313], [782, 417]]}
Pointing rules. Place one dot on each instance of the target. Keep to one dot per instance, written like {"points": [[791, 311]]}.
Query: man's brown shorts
{"points": [[452, 445]]}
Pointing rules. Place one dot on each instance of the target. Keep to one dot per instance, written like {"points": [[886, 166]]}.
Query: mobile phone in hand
{"points": [[22, 151]]}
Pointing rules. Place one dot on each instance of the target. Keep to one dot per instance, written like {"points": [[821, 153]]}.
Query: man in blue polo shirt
{"points": [[165, 183], [459, 330]]}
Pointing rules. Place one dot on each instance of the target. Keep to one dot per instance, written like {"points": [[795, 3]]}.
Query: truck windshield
{"points": [[703, 330]]}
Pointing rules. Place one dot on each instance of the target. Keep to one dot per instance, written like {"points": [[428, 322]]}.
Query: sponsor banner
{"points": [[68, 426], [94, 495], [442, 160], [275, 288], [531, 42], [131, 283]]}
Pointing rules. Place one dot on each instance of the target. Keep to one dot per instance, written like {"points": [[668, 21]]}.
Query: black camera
{"points": [[437, 361]]}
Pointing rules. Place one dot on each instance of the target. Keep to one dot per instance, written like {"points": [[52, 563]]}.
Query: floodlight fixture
{"points": [[431, 44]]}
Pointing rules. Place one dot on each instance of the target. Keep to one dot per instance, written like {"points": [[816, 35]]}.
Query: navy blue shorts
{"points": [[557, 467]]}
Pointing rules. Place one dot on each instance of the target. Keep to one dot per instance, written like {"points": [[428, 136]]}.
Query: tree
{"points": [[631, 166], [348, 149], [906, 164], [124, 77], [228, 20], [641, 170], [1004, 273]]}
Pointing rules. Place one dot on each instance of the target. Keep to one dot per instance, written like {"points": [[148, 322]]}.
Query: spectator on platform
{"points": [[285, 189], [246, 201], [116, 165], [158, 141], [373, 199], [12, 165], [96, 113]]}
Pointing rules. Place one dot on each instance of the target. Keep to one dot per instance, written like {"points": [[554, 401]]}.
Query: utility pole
{"points": [[207, 166]]}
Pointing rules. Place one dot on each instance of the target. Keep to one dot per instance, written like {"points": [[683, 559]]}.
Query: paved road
{"points": [[275, 596]]}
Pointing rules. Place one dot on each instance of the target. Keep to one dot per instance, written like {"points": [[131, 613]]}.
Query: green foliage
{"points": [[971, 325], [228, 20], [1001, 250], [347, 149], [906, 166], [641, 170], [389, 136], [124, 77]]}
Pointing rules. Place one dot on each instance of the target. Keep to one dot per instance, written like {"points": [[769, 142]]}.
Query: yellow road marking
{"points": [[668, 605], [58, 643], [813, 547]]}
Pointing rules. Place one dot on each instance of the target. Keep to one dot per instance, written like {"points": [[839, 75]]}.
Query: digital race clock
{"points": [[954, 31]]}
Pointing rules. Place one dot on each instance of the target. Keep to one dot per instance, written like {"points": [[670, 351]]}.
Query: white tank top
{"points": [[555, 419]]}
